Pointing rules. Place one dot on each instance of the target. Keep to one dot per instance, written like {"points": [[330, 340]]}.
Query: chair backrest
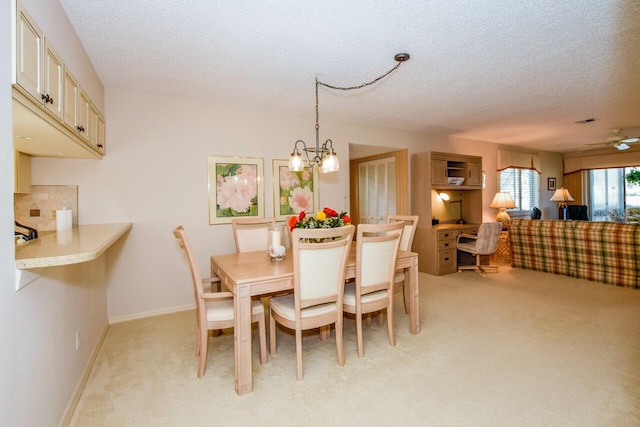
{"points": [[319, 262], [194, 268], [251, 234], [488, 237], [410, 224], [377, 250]]}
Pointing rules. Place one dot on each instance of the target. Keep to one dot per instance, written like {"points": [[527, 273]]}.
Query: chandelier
{"points": [[324, 156]]}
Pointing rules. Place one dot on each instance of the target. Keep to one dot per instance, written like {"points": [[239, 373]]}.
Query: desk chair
{"points": [[214, 310], [484, 243]]}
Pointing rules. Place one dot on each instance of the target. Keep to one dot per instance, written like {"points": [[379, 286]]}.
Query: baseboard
{"points": [[75, 397], [153, 313]]}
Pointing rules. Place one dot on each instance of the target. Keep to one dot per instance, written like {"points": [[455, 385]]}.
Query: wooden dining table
{"points": [[253, 274]]}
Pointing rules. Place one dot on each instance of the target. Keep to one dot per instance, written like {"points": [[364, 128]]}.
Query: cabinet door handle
{"points": [[446, 245], [446, 259]]}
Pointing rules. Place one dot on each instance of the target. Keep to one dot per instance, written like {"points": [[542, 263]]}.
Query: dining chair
{"points": [[483, 243], [376, 252], [319, 261], [214, 310], [406, 243], [251, 234]]}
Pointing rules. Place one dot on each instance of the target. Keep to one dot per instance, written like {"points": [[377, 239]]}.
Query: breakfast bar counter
{"points": [[79, 244]]}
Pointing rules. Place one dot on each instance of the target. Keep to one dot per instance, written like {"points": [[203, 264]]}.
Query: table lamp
{"points": [[562, 196], [503, 201]]}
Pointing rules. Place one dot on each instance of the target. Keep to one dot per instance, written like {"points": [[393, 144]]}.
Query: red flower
{"points": [[346, 219], [292, 222], [330, 212], [301, 216]]}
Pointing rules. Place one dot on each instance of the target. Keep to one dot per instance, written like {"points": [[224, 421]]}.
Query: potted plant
{"points": [[633, 177]]}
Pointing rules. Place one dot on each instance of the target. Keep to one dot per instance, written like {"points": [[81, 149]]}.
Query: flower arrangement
{"points": [[326, 218]]}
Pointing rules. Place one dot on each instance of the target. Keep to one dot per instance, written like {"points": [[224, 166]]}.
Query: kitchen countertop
{"points": [[80, 244]]}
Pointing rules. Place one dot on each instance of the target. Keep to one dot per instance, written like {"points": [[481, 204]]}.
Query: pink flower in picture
{"points": [[237, 191], [301, 199], [288, 179]]}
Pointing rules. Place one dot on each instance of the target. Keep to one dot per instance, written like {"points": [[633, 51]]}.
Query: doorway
{"points": [[379, 186]]}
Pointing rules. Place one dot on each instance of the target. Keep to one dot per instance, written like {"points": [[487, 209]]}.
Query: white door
{"points": [[377, 192]]}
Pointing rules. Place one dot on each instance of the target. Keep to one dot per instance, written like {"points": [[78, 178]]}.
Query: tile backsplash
{"points": [[45, 199]]}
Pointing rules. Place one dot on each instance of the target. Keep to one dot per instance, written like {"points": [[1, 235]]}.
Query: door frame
{"points": [[402, 182]]}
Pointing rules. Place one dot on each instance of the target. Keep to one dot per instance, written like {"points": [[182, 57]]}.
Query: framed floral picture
{"points": [[236, 188], [294, 191]]}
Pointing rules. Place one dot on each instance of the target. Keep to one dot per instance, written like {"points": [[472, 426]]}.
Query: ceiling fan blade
{"points": [[621, 146], [630, 140]]}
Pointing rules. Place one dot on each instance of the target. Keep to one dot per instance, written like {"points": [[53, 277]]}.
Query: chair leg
{"points": [[367, 319], [380, 318], [272, 334], [340, 340], [300, 374], [405, 293], [204, 335], [392, 336], [198, 341], [359, 334], [262, 337]]}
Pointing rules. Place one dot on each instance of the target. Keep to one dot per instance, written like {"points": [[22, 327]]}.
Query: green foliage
{"points": [[633, 177]]}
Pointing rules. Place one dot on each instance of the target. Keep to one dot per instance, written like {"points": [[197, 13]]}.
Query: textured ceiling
{"points": [[515, 72]]}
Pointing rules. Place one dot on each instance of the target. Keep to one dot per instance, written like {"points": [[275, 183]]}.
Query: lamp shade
{"points": [[502, 200], [561, 195]]}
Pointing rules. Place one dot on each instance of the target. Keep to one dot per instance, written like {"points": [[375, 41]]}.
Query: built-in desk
{"points": [[439, 241]]}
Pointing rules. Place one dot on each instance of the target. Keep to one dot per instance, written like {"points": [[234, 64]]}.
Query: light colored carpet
{"points": [[517, 348]]}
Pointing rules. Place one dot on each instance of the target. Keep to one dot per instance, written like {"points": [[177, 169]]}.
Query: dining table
{"points": [[253, 274]]}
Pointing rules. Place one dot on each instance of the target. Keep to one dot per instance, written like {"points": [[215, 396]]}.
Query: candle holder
{"points": [[276, 250]]}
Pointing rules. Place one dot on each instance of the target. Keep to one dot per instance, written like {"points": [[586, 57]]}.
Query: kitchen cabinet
{"points": [[52, 113], [71, 93], [96, 129], [53, 81], [84, 112], [39, 69], [22, 172]]}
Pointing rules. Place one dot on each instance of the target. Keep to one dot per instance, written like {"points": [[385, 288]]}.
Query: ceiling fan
{"points": [[621, 142]]}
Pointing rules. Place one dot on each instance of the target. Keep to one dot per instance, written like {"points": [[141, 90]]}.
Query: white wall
{"points": [[9, 332]]}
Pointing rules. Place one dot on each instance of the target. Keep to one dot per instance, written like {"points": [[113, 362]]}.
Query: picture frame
{"points": [[236, 188], [294, 191], [551, 184]]}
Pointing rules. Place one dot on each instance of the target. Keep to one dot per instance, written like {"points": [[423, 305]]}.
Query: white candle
{"points": [[275, 239]]}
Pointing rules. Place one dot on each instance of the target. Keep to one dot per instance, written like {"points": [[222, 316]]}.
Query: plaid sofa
{"points": [[601, 251]]}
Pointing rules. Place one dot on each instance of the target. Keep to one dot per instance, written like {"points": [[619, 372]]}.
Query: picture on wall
{"points": [[551, 184], [236, 188], [294, 192]]}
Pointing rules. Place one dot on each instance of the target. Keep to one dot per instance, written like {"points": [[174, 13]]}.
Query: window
{"points": [[610, 193], [524, 187]]}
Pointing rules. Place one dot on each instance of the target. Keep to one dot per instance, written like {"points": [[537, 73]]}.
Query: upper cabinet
{"points": [[53, 115], [455, 166]]}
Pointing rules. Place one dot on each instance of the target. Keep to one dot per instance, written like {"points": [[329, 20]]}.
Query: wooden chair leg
{"points": [[262, 337], [204, 335], [272, 335], [359, 334], [300, 374], [340, 340], [392, 337]]}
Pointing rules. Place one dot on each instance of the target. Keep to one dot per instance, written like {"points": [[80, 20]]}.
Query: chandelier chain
{"points": [[347, 88]]}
